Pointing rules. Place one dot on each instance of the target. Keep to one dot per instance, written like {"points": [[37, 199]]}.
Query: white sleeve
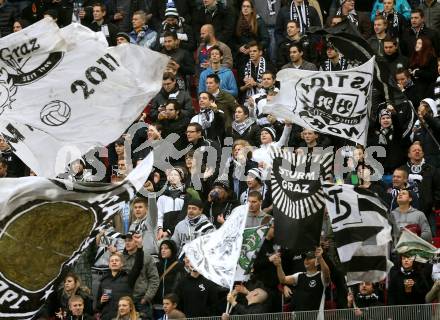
{"points": [[160, 210], [295, 277], [284, 137]]}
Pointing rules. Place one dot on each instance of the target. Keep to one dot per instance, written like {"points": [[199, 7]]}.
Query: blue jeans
{"points": [[273, 45]]}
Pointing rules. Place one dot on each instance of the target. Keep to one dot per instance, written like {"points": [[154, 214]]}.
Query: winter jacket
{"points": [[145, 38], [401, 6], [395, 146], [181, 96], [412, 216], [169, 282], [177, 126], [216, 208], [430, 148], [428, 188], [148, 280], [7, 17], [226, 102], [184, 33], [396, 288], [112, 31], [169, 205], [197, 297], [158, 8], [251, 134], [215, 130], [188, 230], [283, 17], [227, 80], [222, 19], [121, 284], [408, 41], [283, 54], [432, 14], [184, 59], [262, 36]]}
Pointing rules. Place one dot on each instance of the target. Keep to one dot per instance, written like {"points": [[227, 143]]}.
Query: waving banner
{"points": [[298, 199], [361, 230], [45, 225], [63, 91], [335, 103], [215, 255]]}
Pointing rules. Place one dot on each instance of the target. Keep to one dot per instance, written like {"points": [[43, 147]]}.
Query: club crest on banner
{"points": [[21, 69], [337, 102]]}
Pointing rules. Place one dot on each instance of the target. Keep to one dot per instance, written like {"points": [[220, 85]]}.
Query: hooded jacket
{"points": [[227, 80], [412, 216], [169, 282]]}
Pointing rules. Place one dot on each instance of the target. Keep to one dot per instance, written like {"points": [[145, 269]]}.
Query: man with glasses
{"points": [[172, 121], [170, 91]]}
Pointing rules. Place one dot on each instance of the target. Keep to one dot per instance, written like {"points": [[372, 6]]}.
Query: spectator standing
{"points": [[422, 66], [208, 40], [250, 27], [142, 34], [221, 17], [226, 76]]}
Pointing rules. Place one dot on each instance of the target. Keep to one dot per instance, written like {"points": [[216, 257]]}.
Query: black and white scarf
{"points": [[395, 20], [437, 94], [271, 7], [352, 16], [241, 127], [385, 135], [261, 68], [302, 17], [205, 118], [343, 63]]}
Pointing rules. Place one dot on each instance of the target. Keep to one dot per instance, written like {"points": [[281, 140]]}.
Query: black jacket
{"points": [[251, 134], [396, 289], [181, 96], [121, 285], [197, 297], [112, 31], [223, 20]]}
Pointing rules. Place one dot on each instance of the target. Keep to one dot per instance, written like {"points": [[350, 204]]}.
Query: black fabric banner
{"points": [[298, 199]]}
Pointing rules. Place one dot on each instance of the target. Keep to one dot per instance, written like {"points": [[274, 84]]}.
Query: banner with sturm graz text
{"points": [[298, 198]]}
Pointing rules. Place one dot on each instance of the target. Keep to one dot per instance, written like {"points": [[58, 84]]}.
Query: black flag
{"points": [[298, 199]]}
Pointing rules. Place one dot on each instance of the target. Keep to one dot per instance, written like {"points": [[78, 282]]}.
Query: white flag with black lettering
{"points": [[215, 255], [361, 231], [64, 91], [335, 103]]}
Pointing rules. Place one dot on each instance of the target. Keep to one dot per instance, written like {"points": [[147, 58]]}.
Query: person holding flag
{"points": [[309, 285]]}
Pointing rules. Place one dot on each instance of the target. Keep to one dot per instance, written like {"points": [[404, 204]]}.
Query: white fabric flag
{"points": [[215, 255], [46, 224], [361, 230], [335, 103], [64, 91]]}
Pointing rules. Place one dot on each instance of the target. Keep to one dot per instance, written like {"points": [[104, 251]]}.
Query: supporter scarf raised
{"points": [[301, 14]]}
